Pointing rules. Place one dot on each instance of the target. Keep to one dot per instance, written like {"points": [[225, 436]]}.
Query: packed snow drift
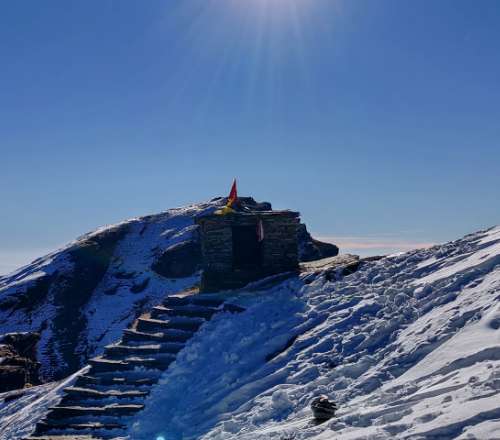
{"points": [[408, 346]]}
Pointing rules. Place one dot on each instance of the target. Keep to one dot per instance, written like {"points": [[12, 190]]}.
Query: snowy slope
{"points": [[77, 322], [409, 346], [20, 410], [82, 296]]}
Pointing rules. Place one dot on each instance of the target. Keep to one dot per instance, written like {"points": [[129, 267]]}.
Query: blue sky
{"points": [[378, 120]]}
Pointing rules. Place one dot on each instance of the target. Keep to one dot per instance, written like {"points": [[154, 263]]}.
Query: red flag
{"points": [[233, 195]]}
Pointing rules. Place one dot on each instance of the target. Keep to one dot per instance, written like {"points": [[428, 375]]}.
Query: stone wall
{"points": [[279, 247]]}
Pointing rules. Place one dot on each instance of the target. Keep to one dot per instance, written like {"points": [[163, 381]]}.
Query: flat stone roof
{"points": [[273, 213]]}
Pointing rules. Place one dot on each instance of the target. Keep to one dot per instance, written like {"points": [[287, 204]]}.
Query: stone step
{"points": [[122, 381], [71, 437], [178, 323], [45, 427], [198, 299], [90, 402], [168, 335], [90, 393], [81, 434], [112, 410], [121, 350], [191, 311], [101, 364]]}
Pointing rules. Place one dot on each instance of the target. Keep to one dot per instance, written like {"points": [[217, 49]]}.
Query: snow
{"points": [[19, 415], [408, 346], [113, 304]]}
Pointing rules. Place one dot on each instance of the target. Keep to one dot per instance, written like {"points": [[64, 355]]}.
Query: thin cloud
{"points": [[372, 244]]}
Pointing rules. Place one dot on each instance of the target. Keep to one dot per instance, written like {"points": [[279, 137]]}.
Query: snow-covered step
{"points": [[117, 381], [179, 323], [113, 410], [120, 350], [48, 427], [90, 393], [78, 432], [192, 311], [94, 429], [71, 437], [102, 364], [99, 403], [168, 335]]}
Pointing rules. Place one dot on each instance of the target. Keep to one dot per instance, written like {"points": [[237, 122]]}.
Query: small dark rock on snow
{"points": [[323, 408]]}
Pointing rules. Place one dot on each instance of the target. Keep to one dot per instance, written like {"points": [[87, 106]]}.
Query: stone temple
{"points": [[245, 246]]}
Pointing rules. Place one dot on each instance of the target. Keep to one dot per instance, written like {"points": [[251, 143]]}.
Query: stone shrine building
{"points": [[245, 246]]}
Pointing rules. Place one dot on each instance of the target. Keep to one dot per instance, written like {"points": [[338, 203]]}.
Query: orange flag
{"points": [[233, 195]]}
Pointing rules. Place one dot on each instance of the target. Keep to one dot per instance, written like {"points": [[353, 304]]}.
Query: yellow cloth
{"points": [[224, 211]]}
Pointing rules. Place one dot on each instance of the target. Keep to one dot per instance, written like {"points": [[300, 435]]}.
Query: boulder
{"points": [[23, 343], [246, 202]]}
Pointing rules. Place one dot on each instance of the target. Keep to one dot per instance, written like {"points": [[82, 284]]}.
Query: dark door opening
{"points": [[246, 248]]}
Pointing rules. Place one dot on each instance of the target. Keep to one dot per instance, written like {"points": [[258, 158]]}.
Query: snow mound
{"points": [[408, 346]]}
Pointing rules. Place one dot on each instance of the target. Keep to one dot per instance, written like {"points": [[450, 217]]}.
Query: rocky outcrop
{"points": [[18, 363], [311, 249], [179, 260]]}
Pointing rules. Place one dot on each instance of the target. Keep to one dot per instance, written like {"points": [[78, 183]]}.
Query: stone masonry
{"points": [[278, 249]]}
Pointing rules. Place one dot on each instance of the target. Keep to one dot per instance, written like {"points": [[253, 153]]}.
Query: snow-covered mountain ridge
{"points": [[82, 296], [408, 346]]}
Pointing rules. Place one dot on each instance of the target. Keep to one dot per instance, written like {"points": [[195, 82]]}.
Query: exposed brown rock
{"points": [[18, 364]]}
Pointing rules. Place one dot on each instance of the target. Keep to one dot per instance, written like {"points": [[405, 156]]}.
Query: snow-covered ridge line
{"points": [[109, 270]]}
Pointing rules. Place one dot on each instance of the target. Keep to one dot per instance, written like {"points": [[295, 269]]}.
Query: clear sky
{"points": [[378, 120]]}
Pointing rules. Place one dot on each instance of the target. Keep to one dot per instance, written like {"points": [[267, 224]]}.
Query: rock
{"points": [[247, 202], [179, 260], [311, 249], [23, 343], [18, 363], [323, 408]]}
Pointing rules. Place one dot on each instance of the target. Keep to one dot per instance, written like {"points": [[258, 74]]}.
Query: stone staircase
{"points": [[102, 401]]}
